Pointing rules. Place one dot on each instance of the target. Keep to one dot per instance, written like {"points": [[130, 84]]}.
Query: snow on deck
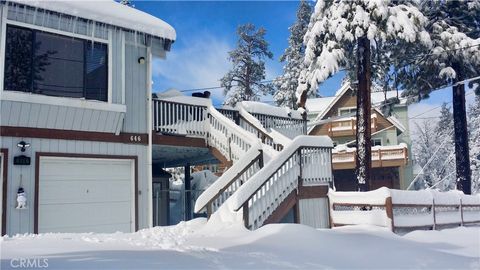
{"points": [[109, 12], [278, 246]]}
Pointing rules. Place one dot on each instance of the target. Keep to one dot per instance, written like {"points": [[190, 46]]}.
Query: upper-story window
{"points": [[55, 65], [346, 111]]}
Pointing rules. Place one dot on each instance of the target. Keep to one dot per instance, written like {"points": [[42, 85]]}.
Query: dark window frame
{"points": [[87, 45]]}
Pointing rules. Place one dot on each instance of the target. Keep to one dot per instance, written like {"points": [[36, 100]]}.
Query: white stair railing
{"points": [[269, 187]]}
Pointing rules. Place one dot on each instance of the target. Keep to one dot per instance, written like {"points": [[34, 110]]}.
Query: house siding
{"points": [[22, 221], [128, 87]]}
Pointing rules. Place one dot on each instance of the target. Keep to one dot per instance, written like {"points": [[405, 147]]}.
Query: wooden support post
{"points": [[389, 210], [209, 210], [188, 193], [245, 215], [461, 212], [434, 217]]}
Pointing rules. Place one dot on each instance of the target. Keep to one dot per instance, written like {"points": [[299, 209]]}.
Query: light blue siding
{"points": [[22, 221]]}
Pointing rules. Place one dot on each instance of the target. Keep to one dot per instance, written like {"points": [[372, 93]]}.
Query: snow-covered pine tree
{"points": [[433, 151], [423, 148], [341, 34], [244, 80], [474, 121], [453, 26], [286, 84], [444, 164]]}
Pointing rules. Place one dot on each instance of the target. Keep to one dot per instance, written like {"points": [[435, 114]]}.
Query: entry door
{"points": [[86, 195]]}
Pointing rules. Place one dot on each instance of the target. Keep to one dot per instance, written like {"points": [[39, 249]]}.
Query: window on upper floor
{"points": [[55, 65], [376, 142], [346, 111]]}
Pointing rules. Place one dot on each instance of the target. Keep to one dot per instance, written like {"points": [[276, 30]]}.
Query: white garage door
{"points": [[86, 195]]}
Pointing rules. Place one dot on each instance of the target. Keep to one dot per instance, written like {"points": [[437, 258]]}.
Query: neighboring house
{"points": [[75, 88], [391, 157]]}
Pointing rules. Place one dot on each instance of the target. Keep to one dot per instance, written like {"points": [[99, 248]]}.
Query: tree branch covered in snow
{"points": [[336, 26]]}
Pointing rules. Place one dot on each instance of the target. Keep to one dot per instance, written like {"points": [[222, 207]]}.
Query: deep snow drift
{"points": [[194, 245]]}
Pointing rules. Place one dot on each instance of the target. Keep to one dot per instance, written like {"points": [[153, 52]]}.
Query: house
{"points": [[391, 145], [75, 115], [83, 140]]}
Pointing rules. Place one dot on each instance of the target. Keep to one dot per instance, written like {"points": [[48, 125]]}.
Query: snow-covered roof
{"points": [[322, 105], [109, 12]]}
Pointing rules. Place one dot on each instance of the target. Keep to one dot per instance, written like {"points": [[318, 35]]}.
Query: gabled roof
{"points": [[109, 12], [323, 105]]}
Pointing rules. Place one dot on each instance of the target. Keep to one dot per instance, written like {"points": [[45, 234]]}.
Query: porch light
{"points": [[23, 145], [141, 60]]}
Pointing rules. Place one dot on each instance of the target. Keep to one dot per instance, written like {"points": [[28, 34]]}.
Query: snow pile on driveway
{"points": [[192, 245]]}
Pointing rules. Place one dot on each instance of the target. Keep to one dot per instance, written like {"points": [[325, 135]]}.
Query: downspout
{"points": [[149, 147]]}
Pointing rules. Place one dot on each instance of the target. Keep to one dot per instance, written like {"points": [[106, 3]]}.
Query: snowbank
{"points": [[276, 246]]}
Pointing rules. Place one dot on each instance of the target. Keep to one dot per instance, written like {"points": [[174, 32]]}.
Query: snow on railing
{"points": [[172, 117], [230, 139], [191, 116], [267, 189], [347, 126], [379, 154], [230, 181], [401, 210], [289, 123]]}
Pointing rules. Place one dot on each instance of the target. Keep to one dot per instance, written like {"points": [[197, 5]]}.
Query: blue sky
{"points": [[206, 33]]}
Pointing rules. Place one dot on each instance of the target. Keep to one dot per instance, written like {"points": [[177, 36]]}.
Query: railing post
{"points": [[434, 217], [461, 212], [389, 210], [209, 210], [260, 159], [300, 163], [245, 214]]}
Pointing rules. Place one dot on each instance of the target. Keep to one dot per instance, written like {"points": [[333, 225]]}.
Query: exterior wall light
{"points": [[23, 145], [141, 60]]}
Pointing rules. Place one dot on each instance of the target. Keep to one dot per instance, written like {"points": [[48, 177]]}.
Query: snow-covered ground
{"points": [[194, 245]]}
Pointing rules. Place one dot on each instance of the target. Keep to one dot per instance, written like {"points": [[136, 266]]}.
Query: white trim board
{"points": [[62, 101]]}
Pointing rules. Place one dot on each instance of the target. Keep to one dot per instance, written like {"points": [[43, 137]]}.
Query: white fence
{"points": [[404, 210]]}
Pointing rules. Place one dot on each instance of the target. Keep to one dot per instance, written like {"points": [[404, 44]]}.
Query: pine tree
{"points": [[455, 56], [244, 80], [474, 121], [342, 34], [287, 83], [433, 151], [444, 164]]}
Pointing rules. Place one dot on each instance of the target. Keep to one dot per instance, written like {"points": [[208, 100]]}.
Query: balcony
{"points": [[382, 156], [347, 127]]}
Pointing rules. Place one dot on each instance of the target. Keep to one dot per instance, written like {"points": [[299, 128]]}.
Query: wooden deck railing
{"points": [[179, 118], [347, 127], [386, 157]]}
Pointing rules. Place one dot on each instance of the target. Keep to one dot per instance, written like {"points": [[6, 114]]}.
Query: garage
{"points": [[86, 194]]}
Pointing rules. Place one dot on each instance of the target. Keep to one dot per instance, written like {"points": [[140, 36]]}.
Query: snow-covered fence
{"points": [[404, 210], [268, 188], [171, 117]]}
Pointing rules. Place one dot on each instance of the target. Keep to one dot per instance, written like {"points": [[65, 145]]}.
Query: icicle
{"points": [[93, 34], [43, 17], [136, 42], [35, 15], [24, 13]]}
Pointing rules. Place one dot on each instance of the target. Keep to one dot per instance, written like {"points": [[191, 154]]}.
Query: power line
{"points": [[272, 80]]}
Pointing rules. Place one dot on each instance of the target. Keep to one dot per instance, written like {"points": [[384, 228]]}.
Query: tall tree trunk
{"points": [[462, 157], [363, 133]]}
